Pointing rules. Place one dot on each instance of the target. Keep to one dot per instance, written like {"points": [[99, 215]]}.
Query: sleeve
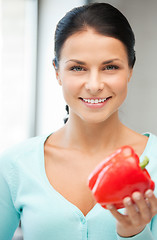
{"points": [[9, 217], [154, 227], [145, 234]]}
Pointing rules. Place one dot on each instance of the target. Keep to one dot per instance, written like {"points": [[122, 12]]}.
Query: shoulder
{"points": [[20, 162], [151, 152], [151, 147], [20, 151]]}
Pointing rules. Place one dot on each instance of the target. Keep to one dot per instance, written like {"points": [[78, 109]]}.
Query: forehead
{"points": [[89, 43]]}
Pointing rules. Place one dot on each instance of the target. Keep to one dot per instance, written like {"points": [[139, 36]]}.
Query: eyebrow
{"points": [[83, 63]]}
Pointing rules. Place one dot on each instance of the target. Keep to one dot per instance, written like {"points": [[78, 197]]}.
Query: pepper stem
{"points": [[144, 163]]}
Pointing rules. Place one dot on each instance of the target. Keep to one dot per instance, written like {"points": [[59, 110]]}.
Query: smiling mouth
{"points": [[94, 100]]}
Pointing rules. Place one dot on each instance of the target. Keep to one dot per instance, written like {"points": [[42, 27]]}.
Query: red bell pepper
{"points": [[118, 176]]}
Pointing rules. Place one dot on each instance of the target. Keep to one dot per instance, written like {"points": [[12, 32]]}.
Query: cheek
{"points": [[121, 85], [70, 87]]}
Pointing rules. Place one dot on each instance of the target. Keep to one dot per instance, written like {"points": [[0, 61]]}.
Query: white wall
{"points": [[50, 102], [140, 110], [18, 24]]}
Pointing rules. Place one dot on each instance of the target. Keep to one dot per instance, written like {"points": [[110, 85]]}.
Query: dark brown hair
{"points": [[104, 19]]}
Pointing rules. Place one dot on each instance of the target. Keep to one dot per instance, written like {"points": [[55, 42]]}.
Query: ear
{"points": [[57, 73], [130, 74]]}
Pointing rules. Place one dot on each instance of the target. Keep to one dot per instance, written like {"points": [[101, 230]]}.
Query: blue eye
{"points": [[111, 67], [77, 68]]}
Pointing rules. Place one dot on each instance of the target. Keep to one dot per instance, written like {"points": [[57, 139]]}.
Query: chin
{"points": [[96, 120]]}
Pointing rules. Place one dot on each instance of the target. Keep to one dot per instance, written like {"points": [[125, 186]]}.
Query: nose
{"points": [[94, 83]]}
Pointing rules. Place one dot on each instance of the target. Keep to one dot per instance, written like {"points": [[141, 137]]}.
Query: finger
{"points": [[152, 201], [132, 211], [120, 217], [144, 209]]}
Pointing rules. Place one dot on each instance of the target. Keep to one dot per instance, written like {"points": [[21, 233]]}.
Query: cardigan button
{"points": [[83, 220]]}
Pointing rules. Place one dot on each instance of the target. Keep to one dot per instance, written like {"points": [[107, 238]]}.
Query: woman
{"points": [[44, 181]]}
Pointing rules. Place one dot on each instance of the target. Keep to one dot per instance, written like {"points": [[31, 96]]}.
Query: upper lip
{"points": [[94, 98]]}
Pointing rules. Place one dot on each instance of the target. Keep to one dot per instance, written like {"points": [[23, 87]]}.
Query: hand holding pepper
{"points": [[139, 210], [121, 181], [118, 176]]}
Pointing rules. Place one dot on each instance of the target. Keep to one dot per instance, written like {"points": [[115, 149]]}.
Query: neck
{"points": [[93, 137]]}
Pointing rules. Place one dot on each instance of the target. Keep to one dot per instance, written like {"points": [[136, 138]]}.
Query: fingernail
{"points": [[136, 196], [127, 201], [149, 193], [109, 207]]}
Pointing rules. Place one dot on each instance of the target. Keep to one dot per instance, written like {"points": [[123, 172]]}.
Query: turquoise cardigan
{"points": [[26, 195]]}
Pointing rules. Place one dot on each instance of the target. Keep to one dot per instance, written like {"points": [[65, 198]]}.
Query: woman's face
{"points": [[94, 74]]}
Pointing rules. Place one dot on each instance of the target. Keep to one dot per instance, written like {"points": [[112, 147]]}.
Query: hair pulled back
{"points": [[104, 19]]}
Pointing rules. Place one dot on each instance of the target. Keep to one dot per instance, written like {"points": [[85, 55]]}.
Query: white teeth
{"points": [[94, 100]]}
